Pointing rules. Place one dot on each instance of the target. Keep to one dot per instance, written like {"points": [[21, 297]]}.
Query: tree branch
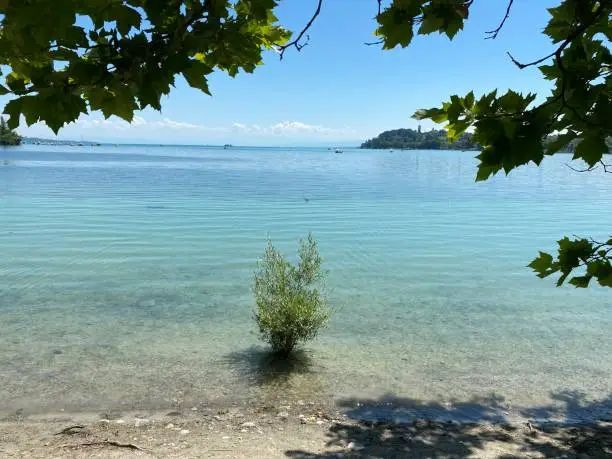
{"points": [[607, 168], [588, 169], [493, 33], [536, 62], [569, 39], [296, 43]]}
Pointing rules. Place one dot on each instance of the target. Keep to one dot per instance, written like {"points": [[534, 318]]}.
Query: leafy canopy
{"points": [[63, 58], [69, 57]]}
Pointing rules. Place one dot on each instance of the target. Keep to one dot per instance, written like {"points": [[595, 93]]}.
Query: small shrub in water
{"points": [[290, 307]]}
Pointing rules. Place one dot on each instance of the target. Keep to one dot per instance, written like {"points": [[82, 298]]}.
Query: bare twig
{"points": [[493, 33], [70, 430], [372, 43], [536, 62], [105, 443], [588, 169], [297, 42]]}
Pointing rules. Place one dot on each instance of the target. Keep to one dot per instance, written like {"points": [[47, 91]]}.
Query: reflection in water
{"points": [[273, 378], [264, 368]]}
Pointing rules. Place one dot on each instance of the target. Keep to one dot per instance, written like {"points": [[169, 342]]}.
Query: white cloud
{"points": [[291, 128], [166, 129], [140, 123]]}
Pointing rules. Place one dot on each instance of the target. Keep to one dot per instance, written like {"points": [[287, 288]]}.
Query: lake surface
{"points": [[125, 277]]}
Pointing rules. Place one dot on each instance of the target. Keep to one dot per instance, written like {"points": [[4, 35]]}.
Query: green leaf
{"points": [[195, 74], [591, 148], [13, 109], [435, 114], [455, 130], [431, 24], [126, 18], [396, 23], [468, 101], [560, 142], [580, 281], [485, 171], [542, 265], [453, 27], [550, 72]]}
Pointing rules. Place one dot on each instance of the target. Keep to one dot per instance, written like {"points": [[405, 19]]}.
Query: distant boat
{"points": [[338, 150], [227, 146]]}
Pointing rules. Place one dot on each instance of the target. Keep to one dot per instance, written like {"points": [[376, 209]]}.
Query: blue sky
{"points": [[338, 90]]}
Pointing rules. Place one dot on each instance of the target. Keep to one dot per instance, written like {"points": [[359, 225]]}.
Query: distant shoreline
{"points": [[445, 148], [90, 143], [39, 141]]}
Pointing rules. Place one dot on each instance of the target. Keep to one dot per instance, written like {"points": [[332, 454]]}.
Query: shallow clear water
{"points": [[125, 277]]}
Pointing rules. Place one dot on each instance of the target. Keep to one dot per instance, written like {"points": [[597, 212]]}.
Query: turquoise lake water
{"points": [[125, 276]]}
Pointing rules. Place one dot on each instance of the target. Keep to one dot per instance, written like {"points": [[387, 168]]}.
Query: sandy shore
{"points": [[302, 430]]}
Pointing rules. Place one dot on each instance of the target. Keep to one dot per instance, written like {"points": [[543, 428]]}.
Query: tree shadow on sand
{"points": [[394, 427]]}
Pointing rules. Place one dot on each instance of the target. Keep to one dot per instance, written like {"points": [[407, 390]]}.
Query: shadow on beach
{"points": [[394, 427]]}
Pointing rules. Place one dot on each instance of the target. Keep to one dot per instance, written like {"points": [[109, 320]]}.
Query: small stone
{"points": [[120, 421], [226, 438], [141, 422], [303, 420], [184, 432], [170, 426], [354, 446], [320, 423], [248, 424], [283, 414], [243, 430], [104, 421], [195, 408], [301, 402]]}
